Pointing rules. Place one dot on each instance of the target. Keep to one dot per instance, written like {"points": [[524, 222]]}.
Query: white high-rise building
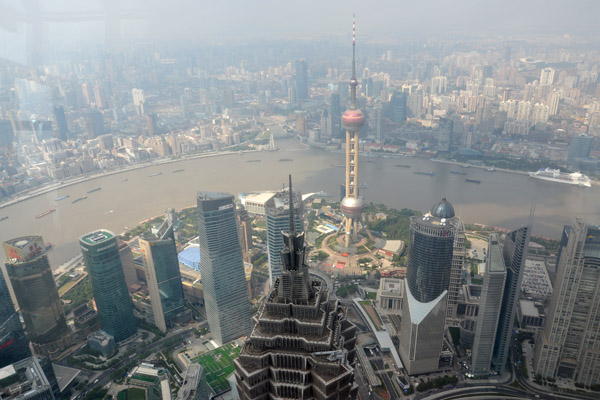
{"points": [[547, 76]]}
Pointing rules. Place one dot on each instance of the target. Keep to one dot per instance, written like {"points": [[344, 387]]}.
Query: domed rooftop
{"points": [[443, 209]]}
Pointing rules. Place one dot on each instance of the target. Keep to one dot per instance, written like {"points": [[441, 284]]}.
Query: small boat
{"points": [[430, 173], [95, 190], [402, 166], [62, 197], [125, 180], [491, 169], [458, 172], [337, 165], [78, 199], [49, 245], [155, 174], [472, 180], [50, 211], [285, 159], [178, 170], [371, 161], [252, 160], [363, 185], [4, 218]]}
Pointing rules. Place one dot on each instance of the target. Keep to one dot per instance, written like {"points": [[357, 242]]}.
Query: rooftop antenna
{"points": [[292, 227], [353, 81]]}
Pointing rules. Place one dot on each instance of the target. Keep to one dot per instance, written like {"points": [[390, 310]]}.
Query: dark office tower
{"points": [[222, 268], [335, 115], [14, 345], [31, 278], [94, 124], [46, 365], [489, 308], [302, 346], [514, 252], [568, 345], [151, 126], [244, 230], [579, 148], [277, 211], [62, 132], [101, 256], [398, 106], [445, 131], [162, 276], [301, 80], [379, 134], [433, 238], [6, 133]]}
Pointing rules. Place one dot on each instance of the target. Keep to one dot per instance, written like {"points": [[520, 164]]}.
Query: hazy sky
{"points": [[223, 21]]}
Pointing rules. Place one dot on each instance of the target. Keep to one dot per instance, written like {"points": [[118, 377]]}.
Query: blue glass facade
{"points": [[163, 277], [115, 311], [429, 257]]}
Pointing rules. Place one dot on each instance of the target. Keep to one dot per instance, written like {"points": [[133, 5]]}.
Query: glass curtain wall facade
{"points": [[31, 278], [115, 311], [14, 345], [163, 276], [568, 346], [222, 268], [514, 252]]}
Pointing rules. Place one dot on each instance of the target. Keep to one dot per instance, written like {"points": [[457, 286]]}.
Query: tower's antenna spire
{"points": [[292, 225], [353, 81]]}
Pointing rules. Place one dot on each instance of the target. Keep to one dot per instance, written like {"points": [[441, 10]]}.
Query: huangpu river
{"points": [[501, 199]]}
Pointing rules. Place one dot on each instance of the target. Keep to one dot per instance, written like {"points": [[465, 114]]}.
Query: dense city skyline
{"points": [[170, 133]]}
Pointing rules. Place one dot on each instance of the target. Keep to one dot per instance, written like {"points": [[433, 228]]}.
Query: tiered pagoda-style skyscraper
{"points": [[302, 346], [352, 120]]}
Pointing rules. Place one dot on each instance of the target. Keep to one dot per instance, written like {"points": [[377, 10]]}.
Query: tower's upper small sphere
{"points": [[353, 120]]}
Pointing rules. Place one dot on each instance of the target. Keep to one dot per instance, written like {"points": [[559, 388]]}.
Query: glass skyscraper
{"points": [[277, 211], [430, 252], [115, 311], [222, 268], [30, 275], [14, 345], [163, 276], [489, 308], [427, 284], [514, 252], [568, 346]]}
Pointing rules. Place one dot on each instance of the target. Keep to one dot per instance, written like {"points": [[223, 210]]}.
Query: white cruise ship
{"points": [[554, 175]]}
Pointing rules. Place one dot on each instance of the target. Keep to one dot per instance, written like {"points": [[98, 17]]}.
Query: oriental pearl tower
{"points": [[352, 121]]}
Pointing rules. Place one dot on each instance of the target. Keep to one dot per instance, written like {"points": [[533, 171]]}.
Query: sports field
{"points": [[219, 365]]}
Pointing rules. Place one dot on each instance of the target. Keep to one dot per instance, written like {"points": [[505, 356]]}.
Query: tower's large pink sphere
{"points": [[353, 120]]}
